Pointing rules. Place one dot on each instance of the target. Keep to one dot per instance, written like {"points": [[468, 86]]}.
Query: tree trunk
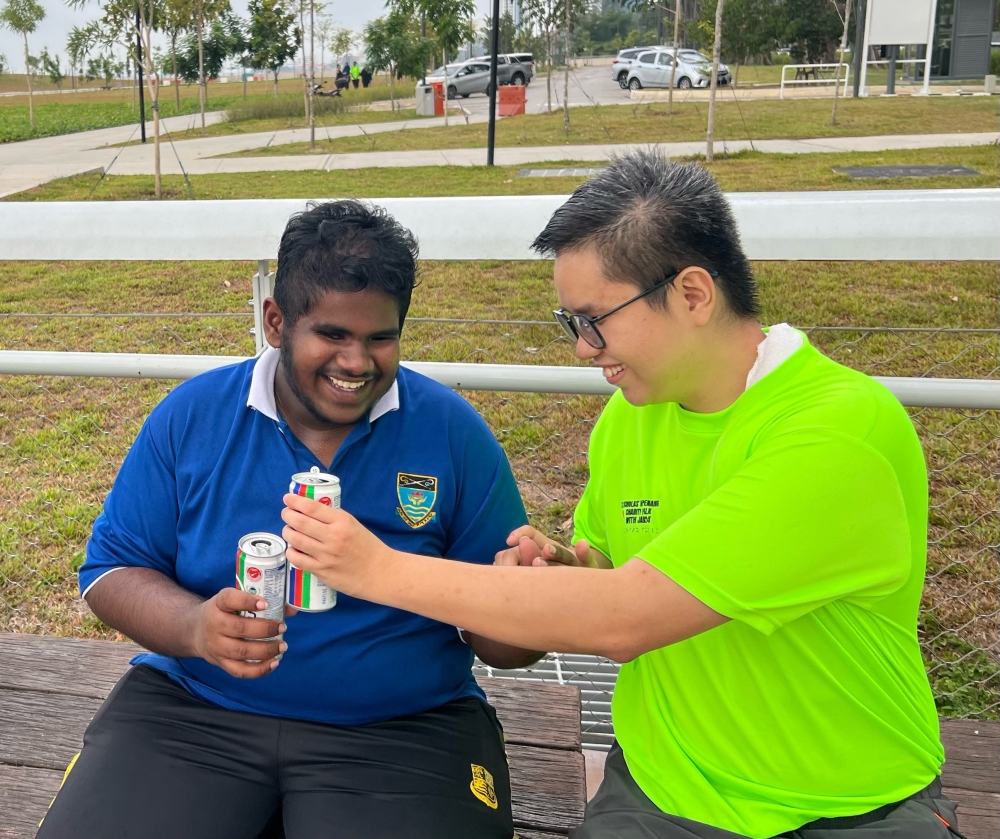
{"points": [[444, 64], [548, 77], [843, 46], [392, 88], [177, 87], [312, 74], [716, 50], [202, 90], [305, 75], [566, 73], [27, 75], [276, 82], [673, 70]]}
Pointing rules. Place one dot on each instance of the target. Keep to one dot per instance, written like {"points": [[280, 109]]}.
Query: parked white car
{"points": [[653, 69]]}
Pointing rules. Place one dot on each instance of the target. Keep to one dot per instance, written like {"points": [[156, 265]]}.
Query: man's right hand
{"points": [[530, 547], [225, 638]]}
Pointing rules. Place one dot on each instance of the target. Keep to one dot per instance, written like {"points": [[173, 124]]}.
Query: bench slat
{"points": [[535, 713], [25, 795], [48, 730], [548, 787], [972, 748], [71, 666], [978, 812]]}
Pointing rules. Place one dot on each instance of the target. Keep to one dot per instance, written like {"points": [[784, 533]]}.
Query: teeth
{"points": [[611, 372], [346, 385]]}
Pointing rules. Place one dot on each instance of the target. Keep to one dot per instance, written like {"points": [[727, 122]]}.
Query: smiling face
{"points": [[338, 359], [652, 352]]}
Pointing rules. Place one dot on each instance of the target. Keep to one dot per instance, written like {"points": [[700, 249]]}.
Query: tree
{"points": [[324, 34], [394, 45], [810, 28], [750, 28], [4, 66], [78, 46], [130, 23], [222, 41], [453, 26], [205, 11], [103, 67], [23, 17], [52, 67], [178, 17], [505, 34], [545, 14], [840, 61], [274, 38], [716, 50]]}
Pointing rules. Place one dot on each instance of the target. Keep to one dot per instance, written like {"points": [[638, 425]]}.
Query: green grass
{"points": [[651, 123], [745, 171], [70, 113]]}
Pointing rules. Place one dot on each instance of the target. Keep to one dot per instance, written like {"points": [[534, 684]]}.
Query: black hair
{"points": [[649, 218], [343, 245]]}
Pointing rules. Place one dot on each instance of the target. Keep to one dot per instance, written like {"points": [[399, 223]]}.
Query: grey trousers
{"points": [[623, 811]]}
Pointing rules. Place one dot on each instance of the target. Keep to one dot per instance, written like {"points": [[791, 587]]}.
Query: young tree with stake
{"points": [[23, 17]]}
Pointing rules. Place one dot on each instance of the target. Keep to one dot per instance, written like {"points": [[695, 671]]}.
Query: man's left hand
{"points": [[332, 544]]}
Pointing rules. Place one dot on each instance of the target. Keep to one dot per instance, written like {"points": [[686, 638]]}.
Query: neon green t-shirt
{"points": [[800, 512], [355, 71]]}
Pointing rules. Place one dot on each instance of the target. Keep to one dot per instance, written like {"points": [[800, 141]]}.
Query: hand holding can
{"points": [[303, 590]]}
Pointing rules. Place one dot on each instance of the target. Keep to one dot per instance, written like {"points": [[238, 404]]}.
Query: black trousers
{"points": [[159, 763], [620, 809]]}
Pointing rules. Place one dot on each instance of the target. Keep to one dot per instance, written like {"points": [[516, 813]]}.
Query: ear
{"points": [[699, 294], [274, 322]]}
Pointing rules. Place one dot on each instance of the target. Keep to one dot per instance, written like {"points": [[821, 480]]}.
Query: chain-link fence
{"points": [[62, 440]]}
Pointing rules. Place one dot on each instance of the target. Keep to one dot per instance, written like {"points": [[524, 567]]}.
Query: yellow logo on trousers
{"points": [[482, 786]]}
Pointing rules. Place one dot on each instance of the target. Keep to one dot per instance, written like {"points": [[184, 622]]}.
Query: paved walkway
{"points": [[512, 156], [31, 163]]}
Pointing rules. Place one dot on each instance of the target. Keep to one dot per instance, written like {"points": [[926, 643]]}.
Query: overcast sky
{"points": [[59, 19]]}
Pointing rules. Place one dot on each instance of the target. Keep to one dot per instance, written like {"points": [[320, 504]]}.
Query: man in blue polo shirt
{"points": [[365, 720]]}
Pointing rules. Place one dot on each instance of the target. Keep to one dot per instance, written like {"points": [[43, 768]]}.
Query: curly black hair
{"points": [[343, 245]]}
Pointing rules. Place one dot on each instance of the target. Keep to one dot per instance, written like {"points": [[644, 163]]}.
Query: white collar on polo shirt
{"points": [[262, 389]]}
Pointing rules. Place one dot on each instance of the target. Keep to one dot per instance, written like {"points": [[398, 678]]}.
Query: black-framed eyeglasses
{"points": [[583, 326]]}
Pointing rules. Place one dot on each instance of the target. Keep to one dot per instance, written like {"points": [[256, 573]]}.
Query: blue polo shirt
{"points": [[212, 463]]}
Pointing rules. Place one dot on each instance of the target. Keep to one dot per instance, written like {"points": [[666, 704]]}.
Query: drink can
{"points": [[319, 485], [304, 590], [261, 570]]}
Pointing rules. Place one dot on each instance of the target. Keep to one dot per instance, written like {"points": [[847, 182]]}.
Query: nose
{"points": [[355, 359], [584, 351]]}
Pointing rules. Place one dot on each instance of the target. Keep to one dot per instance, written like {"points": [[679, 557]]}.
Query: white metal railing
{"points": [[831, 80], [903, 225], [981, 394]]}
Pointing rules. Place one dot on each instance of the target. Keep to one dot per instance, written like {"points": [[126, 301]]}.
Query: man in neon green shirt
{"points": [[752, 543], [355, 73]]}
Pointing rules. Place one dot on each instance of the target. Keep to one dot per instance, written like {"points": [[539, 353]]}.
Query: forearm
{"points": [[149, 608], [618, 614]]}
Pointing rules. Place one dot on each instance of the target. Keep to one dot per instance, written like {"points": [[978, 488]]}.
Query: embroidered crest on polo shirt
{"points": [[482, 786], [417, 495]]}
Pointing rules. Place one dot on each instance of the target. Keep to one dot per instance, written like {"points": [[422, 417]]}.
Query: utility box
{"points": [[425, 100], [511, 100]]}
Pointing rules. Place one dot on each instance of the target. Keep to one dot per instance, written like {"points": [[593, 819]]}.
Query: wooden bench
{"points": [[51, 687]]}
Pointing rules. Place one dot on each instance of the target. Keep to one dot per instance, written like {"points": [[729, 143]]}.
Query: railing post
{"points": [[263, 287]]}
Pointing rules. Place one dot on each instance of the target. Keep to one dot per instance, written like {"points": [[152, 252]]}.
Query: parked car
{"points": [[511, 70], [653, 69], [694, 55], [465, 79], [622, 63]]}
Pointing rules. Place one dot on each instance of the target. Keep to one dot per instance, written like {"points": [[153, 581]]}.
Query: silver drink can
{"points": [[305, 591], [261, 570]]}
